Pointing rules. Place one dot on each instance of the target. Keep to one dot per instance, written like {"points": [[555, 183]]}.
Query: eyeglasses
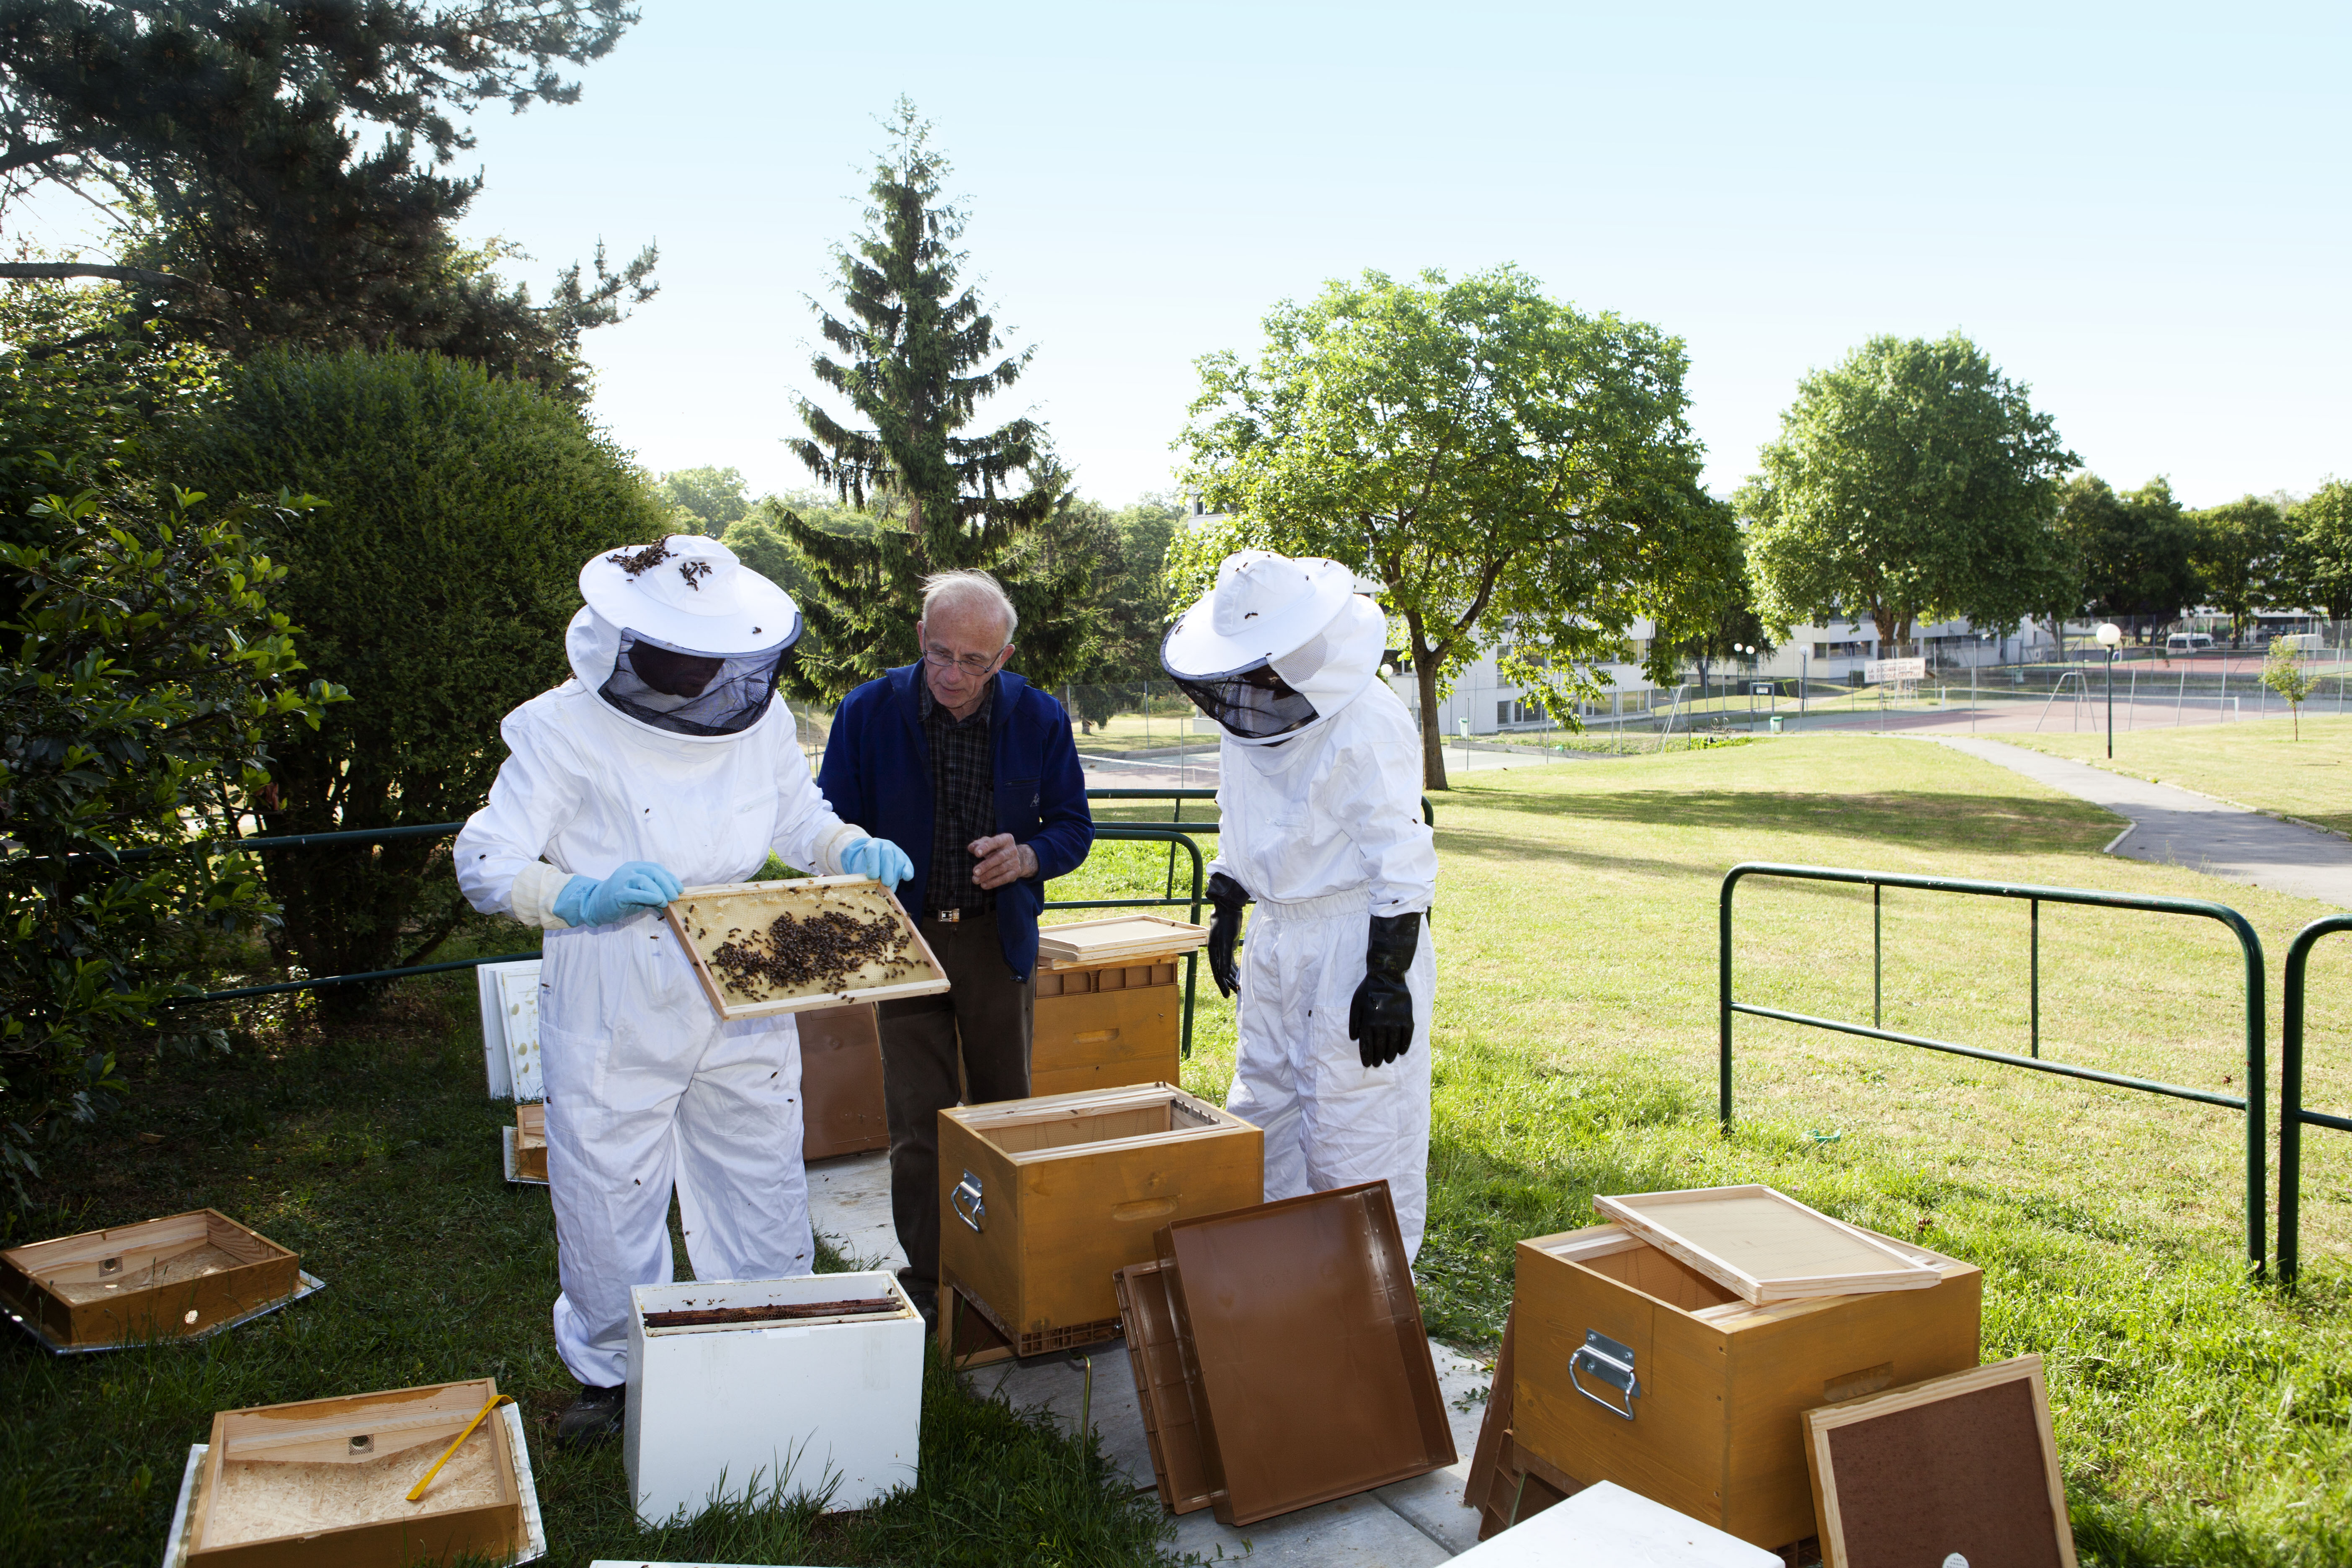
{"points": [[969, 663]]}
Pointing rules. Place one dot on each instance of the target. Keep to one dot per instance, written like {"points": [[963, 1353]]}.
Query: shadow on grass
{"points": [[373, 1151], [1918, 818]]}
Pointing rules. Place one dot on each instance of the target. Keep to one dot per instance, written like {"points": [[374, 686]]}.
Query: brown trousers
{"points": [[985, 1017]]}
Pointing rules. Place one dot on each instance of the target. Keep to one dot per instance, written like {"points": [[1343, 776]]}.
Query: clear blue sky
{"points": [[2139, 210]]}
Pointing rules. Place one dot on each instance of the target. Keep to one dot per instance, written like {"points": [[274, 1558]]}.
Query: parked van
{"points": [[2187, 642]]}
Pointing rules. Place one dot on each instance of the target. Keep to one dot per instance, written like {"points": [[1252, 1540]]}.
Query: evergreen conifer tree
{"points": [[918, 353]]}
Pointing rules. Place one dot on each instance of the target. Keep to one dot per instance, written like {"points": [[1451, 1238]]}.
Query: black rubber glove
{"points": [[1379, 1019], [1225, 931]]}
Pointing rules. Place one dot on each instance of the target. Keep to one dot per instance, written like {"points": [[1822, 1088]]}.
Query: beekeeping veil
{"points": [[681, 637], [1277, 646]]}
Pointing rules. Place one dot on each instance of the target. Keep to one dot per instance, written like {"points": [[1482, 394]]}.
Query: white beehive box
{"points": [[719, 1408]]}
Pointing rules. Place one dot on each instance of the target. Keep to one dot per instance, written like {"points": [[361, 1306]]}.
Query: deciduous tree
{"points": [[2131, 552], [919, 355], [2320, 554], [1510, 471], [434, 585], [1912, 480], [2241, 553]]}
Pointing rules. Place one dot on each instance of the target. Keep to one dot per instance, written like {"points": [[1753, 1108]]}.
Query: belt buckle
{"points": [[947, 917]]}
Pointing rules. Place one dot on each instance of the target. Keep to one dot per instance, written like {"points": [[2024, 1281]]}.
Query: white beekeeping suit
{"points": [[664, 762], [1319, 796]]}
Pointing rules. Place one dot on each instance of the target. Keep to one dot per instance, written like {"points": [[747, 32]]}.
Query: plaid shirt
{"points": [[963, 801]]}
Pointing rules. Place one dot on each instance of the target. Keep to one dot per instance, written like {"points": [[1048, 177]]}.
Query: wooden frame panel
{"points": [[86, 1289], [1763, 1245], [1962, 1465], [692, 931], [531, 1141]]}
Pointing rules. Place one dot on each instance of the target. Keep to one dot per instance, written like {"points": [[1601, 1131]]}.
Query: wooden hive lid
{"points": [[1764, 1246], [1122, 939]]}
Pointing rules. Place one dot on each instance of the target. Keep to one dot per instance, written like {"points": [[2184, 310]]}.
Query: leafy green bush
{"points": [[143, 680], [434, 583]]}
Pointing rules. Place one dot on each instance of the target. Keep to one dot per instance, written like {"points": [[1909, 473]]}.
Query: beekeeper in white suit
{"points": [[1320, 795], [663, 762]]}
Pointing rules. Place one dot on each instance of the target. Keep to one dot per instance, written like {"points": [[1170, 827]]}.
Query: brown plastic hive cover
{"points": [[1150, 1323], [1304, 1351]]}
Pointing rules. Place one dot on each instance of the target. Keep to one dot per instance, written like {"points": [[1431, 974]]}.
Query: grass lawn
{"points": [[2203, 1418], [2259, 762], [371, 1150]]}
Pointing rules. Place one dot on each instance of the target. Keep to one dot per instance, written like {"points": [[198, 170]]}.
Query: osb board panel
{"points": [[1763, 1245], [1107, 1040], [706, 919], [841, 1082], [1168, 1428], [1962, 1466], [326, 1481], [1303, 1343], [1122, 938], [163, 1278], [1715, 1432]]}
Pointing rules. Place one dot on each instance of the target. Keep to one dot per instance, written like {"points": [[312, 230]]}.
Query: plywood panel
{"points": [[1130, 939]]}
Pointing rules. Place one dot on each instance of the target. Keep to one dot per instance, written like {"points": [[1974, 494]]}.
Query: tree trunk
{"points": [[1433, 739]]}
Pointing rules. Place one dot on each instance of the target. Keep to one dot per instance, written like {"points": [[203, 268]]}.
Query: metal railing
{"points": [[2250, 945], [2293, 1117], [1116, 832]]}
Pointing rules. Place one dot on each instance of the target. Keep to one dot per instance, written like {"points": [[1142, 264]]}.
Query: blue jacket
{"points": [[878, 775]]}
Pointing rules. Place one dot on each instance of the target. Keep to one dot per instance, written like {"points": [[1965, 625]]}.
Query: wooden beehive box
{"points": [[1716, 1430], [1109, 1009], [841, 1082], [704, 920], [1042, 1200], [326, 1482], [531, 1141], [161, 1279]]}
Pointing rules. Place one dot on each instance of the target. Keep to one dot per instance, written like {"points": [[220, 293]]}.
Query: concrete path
{"points": [[1408, 1525], [2177, 827]]}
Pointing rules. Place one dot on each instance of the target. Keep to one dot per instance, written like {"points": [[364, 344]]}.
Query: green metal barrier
{"points": [[2293, 1117], [2249, 944]]}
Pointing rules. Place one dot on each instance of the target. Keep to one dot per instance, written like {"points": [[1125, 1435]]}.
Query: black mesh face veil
{"points": [[691, 693], [1254, 704]]}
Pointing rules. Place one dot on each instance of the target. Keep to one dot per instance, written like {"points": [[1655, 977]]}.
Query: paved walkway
{"points": [[2177, 827], [1409, 1525]]}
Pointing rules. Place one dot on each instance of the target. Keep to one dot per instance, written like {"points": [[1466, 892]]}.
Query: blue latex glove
{"points": [[639, 885], [879, 858]]}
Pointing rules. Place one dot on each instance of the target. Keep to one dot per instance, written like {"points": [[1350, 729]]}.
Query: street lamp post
{"points": [[2111, 637]]}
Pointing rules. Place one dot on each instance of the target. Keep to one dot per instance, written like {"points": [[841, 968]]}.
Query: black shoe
{"points": [[594, 1417], [927, 1302]]}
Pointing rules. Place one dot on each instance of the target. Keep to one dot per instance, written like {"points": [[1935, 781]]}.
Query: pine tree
{"points": [[918, 355]]}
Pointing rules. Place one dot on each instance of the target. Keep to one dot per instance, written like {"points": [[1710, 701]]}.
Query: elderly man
{"points": [[972, 772]]}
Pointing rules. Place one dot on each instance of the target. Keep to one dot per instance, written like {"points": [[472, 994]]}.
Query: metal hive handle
{"points": [[1610, 1363], [977, 1216]]}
